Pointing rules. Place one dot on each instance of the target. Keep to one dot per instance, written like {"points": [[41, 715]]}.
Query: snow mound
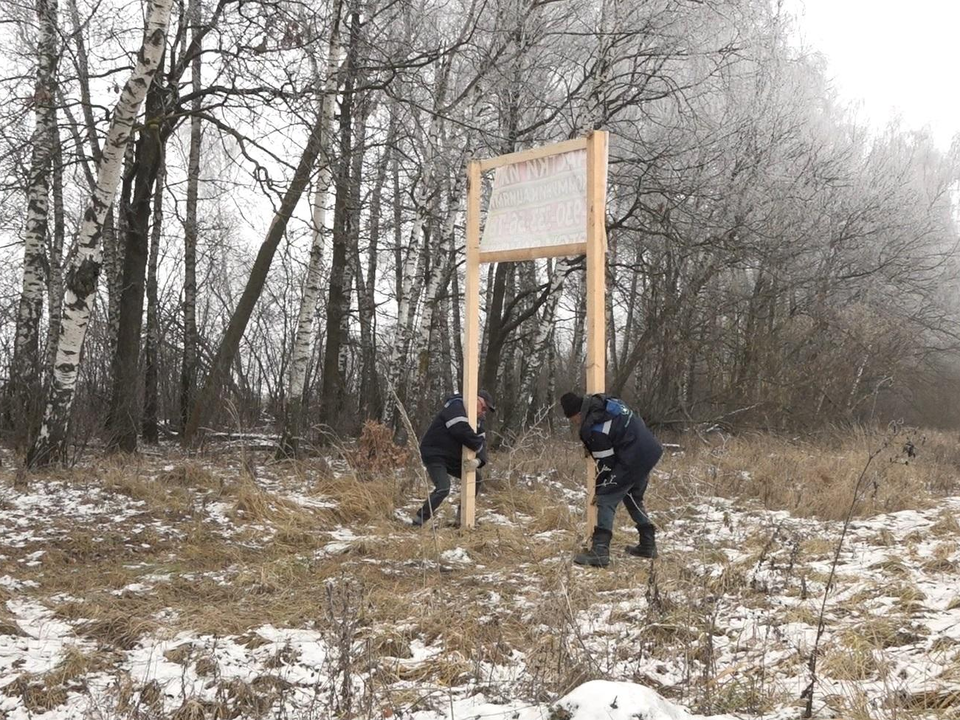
{"points": [[595, 700], [604, 700]]}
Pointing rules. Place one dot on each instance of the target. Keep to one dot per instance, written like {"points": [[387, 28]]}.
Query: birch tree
{"points": [[191, 341], [25, 373], [81, 278], [302, 350], [341, 282]]}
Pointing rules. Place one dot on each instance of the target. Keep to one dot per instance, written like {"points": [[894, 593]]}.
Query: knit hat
{"points": [[571, 404]]}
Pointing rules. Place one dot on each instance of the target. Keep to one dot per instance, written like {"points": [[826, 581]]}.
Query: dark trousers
{"points": [[632, 497], [441, 488]]}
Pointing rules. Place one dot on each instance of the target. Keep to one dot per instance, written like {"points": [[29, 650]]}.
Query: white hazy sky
{"points": [[893, 57]]}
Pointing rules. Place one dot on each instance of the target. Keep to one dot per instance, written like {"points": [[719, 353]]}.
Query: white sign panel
{"points": [[538, 203]]}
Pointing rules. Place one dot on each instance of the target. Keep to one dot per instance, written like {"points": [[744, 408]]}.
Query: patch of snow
{"points": [[43, 646], [457, 556], [318, 502]]}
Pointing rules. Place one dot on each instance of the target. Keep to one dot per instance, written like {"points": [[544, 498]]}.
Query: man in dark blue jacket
{"points": [[625, 452], [441, 448]]}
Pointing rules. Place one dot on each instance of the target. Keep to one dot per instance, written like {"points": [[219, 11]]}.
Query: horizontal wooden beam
{"points": [[533, 253], [534, 154]]}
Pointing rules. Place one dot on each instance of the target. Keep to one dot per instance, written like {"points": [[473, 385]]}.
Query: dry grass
{"points": [[881, 633], [852, 662], [35, 694], [46, 692], [116, 627], [946, 525], [817, 480], [519, 593]]}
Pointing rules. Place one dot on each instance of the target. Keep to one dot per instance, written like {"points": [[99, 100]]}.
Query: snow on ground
{"points": [[726, 622]]}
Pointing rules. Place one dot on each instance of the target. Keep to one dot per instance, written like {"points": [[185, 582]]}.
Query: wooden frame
{"points": [[595, 248]]}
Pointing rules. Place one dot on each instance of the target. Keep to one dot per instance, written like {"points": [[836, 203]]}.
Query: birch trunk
{"points": [[151, 400], [191, 230], [83, 80], [25, 372], [439, 278], [406, 266], [411, 282], [81, 279], [302, 350], [396, 366]]}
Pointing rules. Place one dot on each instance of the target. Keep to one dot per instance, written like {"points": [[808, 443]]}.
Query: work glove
{"points": [[471, 464]]}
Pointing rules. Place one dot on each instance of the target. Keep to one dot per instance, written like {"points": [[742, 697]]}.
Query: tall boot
{"points": [[647, 548], [599, 553]]}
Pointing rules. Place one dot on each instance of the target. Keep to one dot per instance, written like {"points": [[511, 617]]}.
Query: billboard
{"points": [[538, 203]]}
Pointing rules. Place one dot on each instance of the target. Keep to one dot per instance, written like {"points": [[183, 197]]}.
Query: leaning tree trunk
{"points": [[151, 393], [25, 373], [302, 350], [191, 338], [208, 398], [81, 279]]}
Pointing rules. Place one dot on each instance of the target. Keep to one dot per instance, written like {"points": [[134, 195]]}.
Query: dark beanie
{"points": [[571, 404]]}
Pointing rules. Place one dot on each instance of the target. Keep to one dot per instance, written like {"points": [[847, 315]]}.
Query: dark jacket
{"points": [[622, 446], [447, 435]]}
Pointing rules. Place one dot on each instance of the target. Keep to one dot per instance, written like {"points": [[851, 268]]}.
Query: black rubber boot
{"points": [[647, 548], [599, 553]]}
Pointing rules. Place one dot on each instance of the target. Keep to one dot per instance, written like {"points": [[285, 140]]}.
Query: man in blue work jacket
{"points": [[625, 452], [441, 448]]}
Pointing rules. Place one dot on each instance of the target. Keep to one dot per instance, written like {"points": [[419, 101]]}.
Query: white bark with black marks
{"points": [[302, 345], [26, 355], [81, 278]]}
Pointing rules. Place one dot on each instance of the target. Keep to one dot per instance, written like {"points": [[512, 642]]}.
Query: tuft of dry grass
{"points": [[855, 661], [206, 666], [35, 694], [946, 525], [115, 627], [8, 623], [47, 691], [76, 664], [371, 500], [253, 504], [881, 633]]}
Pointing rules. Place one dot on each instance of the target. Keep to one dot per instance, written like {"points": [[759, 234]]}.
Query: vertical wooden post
{"points": [[471, 336], [596, 288]]}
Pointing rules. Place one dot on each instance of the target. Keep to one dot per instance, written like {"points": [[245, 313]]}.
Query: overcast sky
{"points": [[892, 56]]}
